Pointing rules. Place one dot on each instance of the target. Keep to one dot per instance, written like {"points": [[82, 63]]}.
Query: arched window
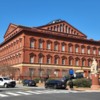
{"points": [[40, 60], [82, 49], [63, 73], [88, 51], [63, 47], [48, 59], [76, 48], [56, 60], [32, 43], [70, 61], [56, 46], [48, 45], [49, 71], [77, 62], [70, 47], [40, 43], [83, 62], [99, 51], [89, 62], [94, 51], [63, 61], [32, 58]]}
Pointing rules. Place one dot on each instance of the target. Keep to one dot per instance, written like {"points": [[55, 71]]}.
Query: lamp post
{"points": [[40, 70], [40, 57]]}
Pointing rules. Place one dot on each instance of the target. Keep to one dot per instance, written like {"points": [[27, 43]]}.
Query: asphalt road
{"points": [[40, 93], [54, 96]]}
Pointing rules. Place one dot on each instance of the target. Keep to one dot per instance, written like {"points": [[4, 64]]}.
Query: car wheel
{"points": [[55, 86], [5, 85]]}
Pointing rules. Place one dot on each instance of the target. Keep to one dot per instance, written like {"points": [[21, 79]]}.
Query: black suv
{"points": [[56, 84]]}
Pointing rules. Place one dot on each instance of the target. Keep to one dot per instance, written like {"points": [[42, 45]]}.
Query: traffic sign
{"points": [[71, 71]]}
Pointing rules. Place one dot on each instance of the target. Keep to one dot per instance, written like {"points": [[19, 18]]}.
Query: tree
{"points": [[6, 70]]}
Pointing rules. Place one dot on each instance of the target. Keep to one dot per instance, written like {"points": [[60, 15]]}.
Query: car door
{"points": [[1, 82], [53, 83], [49, 83]]}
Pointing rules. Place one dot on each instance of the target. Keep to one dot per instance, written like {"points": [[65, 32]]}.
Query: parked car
{"points": [[29, 83], [56, 84], [7, 82]]}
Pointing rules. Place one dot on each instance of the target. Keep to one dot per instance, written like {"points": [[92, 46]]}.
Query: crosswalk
{"points": [[37, 92]]}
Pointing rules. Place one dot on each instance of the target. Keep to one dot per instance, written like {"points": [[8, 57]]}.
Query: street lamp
{"points": [[40, 68], [40, 57]]}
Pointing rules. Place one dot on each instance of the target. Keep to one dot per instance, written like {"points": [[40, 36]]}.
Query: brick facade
{"points": [[53, 48]]}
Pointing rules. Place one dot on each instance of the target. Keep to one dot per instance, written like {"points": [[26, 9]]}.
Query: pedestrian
{"points": [[70, 84], [46, 78]]}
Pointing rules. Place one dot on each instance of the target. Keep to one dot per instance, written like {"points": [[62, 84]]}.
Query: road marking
{"points": [[8, 94], [3, 95], [23, 93], [34, 92], [14, 94], [46, 91]]}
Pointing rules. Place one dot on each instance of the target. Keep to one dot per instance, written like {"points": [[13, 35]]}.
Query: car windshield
{"points": [[6, 78], [55, 81]]}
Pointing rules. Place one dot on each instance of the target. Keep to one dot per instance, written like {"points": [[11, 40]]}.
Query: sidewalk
{"points": [[75, 88]]}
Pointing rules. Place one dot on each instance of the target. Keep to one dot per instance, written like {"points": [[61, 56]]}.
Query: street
{"points": [[40, 93]]}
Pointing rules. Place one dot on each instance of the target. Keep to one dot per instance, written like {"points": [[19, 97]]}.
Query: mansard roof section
{"points": [[62, 27]]}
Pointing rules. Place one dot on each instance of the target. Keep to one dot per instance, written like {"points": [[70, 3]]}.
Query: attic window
{"points": [[55, 28], [61, 28]]}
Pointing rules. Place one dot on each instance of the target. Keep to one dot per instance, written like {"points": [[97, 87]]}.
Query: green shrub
{"points": [[83, 82], [37, 80]]}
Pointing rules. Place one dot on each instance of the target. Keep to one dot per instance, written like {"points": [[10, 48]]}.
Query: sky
{"points": [[82, 14]]}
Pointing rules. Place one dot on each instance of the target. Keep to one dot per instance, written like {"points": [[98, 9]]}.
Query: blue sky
{"points": [[82, 14]]}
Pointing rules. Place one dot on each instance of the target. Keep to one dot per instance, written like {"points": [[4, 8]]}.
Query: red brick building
{"points": [[53, 48]]}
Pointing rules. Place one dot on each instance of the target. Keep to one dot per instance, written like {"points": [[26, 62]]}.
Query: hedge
{"points": [[83, 82]]}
